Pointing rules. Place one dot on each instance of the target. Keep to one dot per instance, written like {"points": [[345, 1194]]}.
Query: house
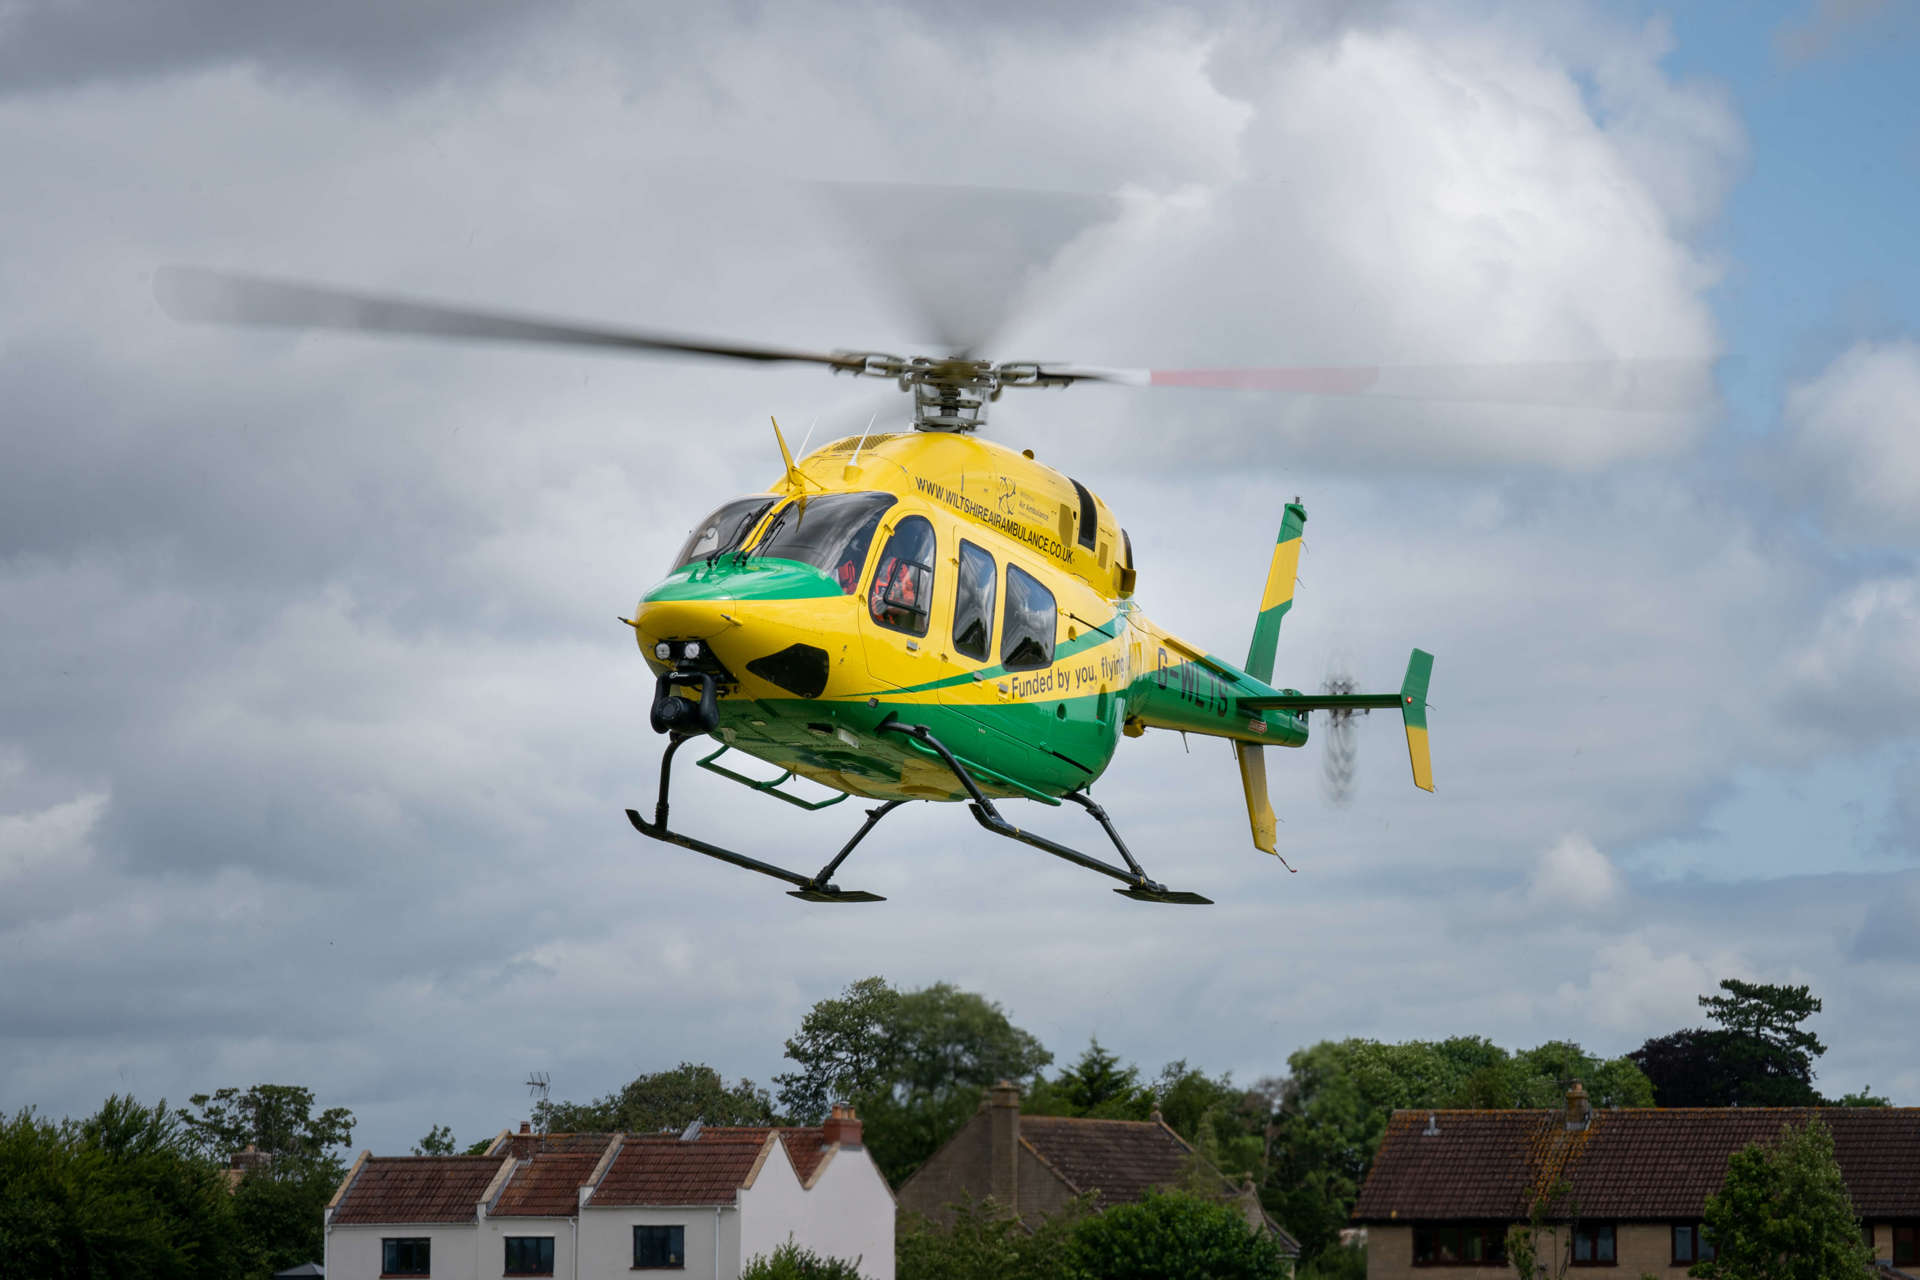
{"points": [[705, 1201], [1038, 1165], [1445, 1185]]}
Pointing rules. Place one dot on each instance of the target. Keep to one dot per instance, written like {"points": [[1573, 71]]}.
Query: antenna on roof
{"points": [[538, 1088]]}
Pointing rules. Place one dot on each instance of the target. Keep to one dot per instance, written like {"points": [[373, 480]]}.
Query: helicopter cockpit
{"points": [[724, 530], [831, 532]]}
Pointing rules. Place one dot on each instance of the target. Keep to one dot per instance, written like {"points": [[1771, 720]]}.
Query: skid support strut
{"points": [[1139, 887], [814, 888]]}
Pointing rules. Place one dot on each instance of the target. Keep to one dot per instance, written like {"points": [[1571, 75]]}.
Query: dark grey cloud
{"points": [[64, 44]]}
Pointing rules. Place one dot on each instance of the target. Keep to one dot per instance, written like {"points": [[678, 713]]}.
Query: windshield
{"points": [[831, 532], [724, 529]]}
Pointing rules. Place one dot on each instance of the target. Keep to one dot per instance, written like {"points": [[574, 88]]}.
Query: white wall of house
{"points": [[354, 1253], [850, 1213], [493, 1244], [712, 1240], [773, 1208]]}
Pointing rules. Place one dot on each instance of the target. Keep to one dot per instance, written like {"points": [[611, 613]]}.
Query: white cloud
{"points": [[1854, 429], [1573, 878], [1633, 985], [1858, 675]]}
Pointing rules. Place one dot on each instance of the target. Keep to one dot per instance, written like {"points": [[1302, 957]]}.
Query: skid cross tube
{"points": [[815, 888], [1139, 887]]}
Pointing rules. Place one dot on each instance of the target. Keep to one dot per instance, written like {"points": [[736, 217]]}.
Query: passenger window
{"points": [[902, 590], [973, 603], [1026, 633]]}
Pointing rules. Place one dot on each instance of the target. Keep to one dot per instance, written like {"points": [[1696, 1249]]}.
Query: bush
{"points": [[1172, 1236], [791, 1262], [983, 1244]]}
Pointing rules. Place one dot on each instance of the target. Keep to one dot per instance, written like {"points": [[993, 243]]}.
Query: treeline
{"points": [[147, 1191], [136, 1190]]}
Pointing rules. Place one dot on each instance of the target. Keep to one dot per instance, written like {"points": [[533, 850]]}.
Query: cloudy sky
{"points": [[316, 723]]}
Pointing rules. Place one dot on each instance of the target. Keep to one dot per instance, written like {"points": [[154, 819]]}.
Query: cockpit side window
{"points": [[724, 530], [831, 532], [902, 593], [1027, 630], [973, 603], [1089, 514]]}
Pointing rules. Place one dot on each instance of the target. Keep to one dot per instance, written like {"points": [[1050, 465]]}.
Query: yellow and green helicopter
{"points": [[912, 615]]}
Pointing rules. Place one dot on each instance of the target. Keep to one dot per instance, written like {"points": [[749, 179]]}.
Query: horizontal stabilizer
{"points": [[1411, 700]]}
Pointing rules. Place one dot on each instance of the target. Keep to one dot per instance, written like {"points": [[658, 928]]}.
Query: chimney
{"points": [[250, 1160], [1579, 1110], [1003, 1152], [842, 1128], [525, 1142]]}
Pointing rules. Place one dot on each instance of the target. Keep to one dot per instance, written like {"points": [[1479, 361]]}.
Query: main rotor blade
{"points": [[1641, 385], [203, 296]]}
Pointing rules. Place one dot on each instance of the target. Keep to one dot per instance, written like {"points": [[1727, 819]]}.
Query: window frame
{"points": [[508, 1269], [1910, 1232], [879, 597], [1594, 1232], [991, 602], [1006, 631], [676, 1235], [1699, 1248], [389, 1247]]}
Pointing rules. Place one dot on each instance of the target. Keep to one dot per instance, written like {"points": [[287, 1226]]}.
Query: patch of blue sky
{"points": [[1837, 815], [1818, 232]]}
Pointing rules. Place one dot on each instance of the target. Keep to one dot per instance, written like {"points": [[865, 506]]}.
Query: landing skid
{"points": [[815, 888], [1139, 887], [820, 887]]}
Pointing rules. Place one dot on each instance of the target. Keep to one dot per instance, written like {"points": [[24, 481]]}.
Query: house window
{"points": [[902, 591], [529, 1256], [412, 1256], [659, 1247], [1027, 629], [1690, 1244], [1459, 1244], [1593, 1245], [973, 603], [1906, 1245]]}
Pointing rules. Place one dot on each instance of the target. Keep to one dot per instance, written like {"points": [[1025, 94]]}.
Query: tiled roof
{"points": [[1119, 1161], [662, 1169], [547, 1186], [1633, 1164], [417, 1189], [806, 1148]]}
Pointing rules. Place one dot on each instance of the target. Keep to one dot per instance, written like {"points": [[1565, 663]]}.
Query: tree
{"points": [[1758, 1055], [1784, 1213], [438, 1142], [1171, 1236], [1863, 1097], [913, 1064], [1097, 1085], [275, 1118], [278, 1205], [122, 1193], [1526, 1254], [791, 1262], [659, 1100]]}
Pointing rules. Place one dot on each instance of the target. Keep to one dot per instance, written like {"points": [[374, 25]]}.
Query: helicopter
{"points": [[910, 615]]}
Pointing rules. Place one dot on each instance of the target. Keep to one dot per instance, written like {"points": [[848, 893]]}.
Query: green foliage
{"points": [[123, 1193], [912, 1063], [275, 1118], [983, 1244], [1098, 1085], [662, 1100], [1864, 1097], [1536, 1250], [1784, 1214], [791, 1262], [438, 1142], [1758, 1055], [1171, 1237], [1341, 1262]]}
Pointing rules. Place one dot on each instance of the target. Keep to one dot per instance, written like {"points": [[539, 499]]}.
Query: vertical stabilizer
{"points": [[1277, 597], [1253, 780]]}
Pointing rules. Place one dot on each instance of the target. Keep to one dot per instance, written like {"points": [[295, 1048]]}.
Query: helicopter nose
{"points": [[680, 620]]}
